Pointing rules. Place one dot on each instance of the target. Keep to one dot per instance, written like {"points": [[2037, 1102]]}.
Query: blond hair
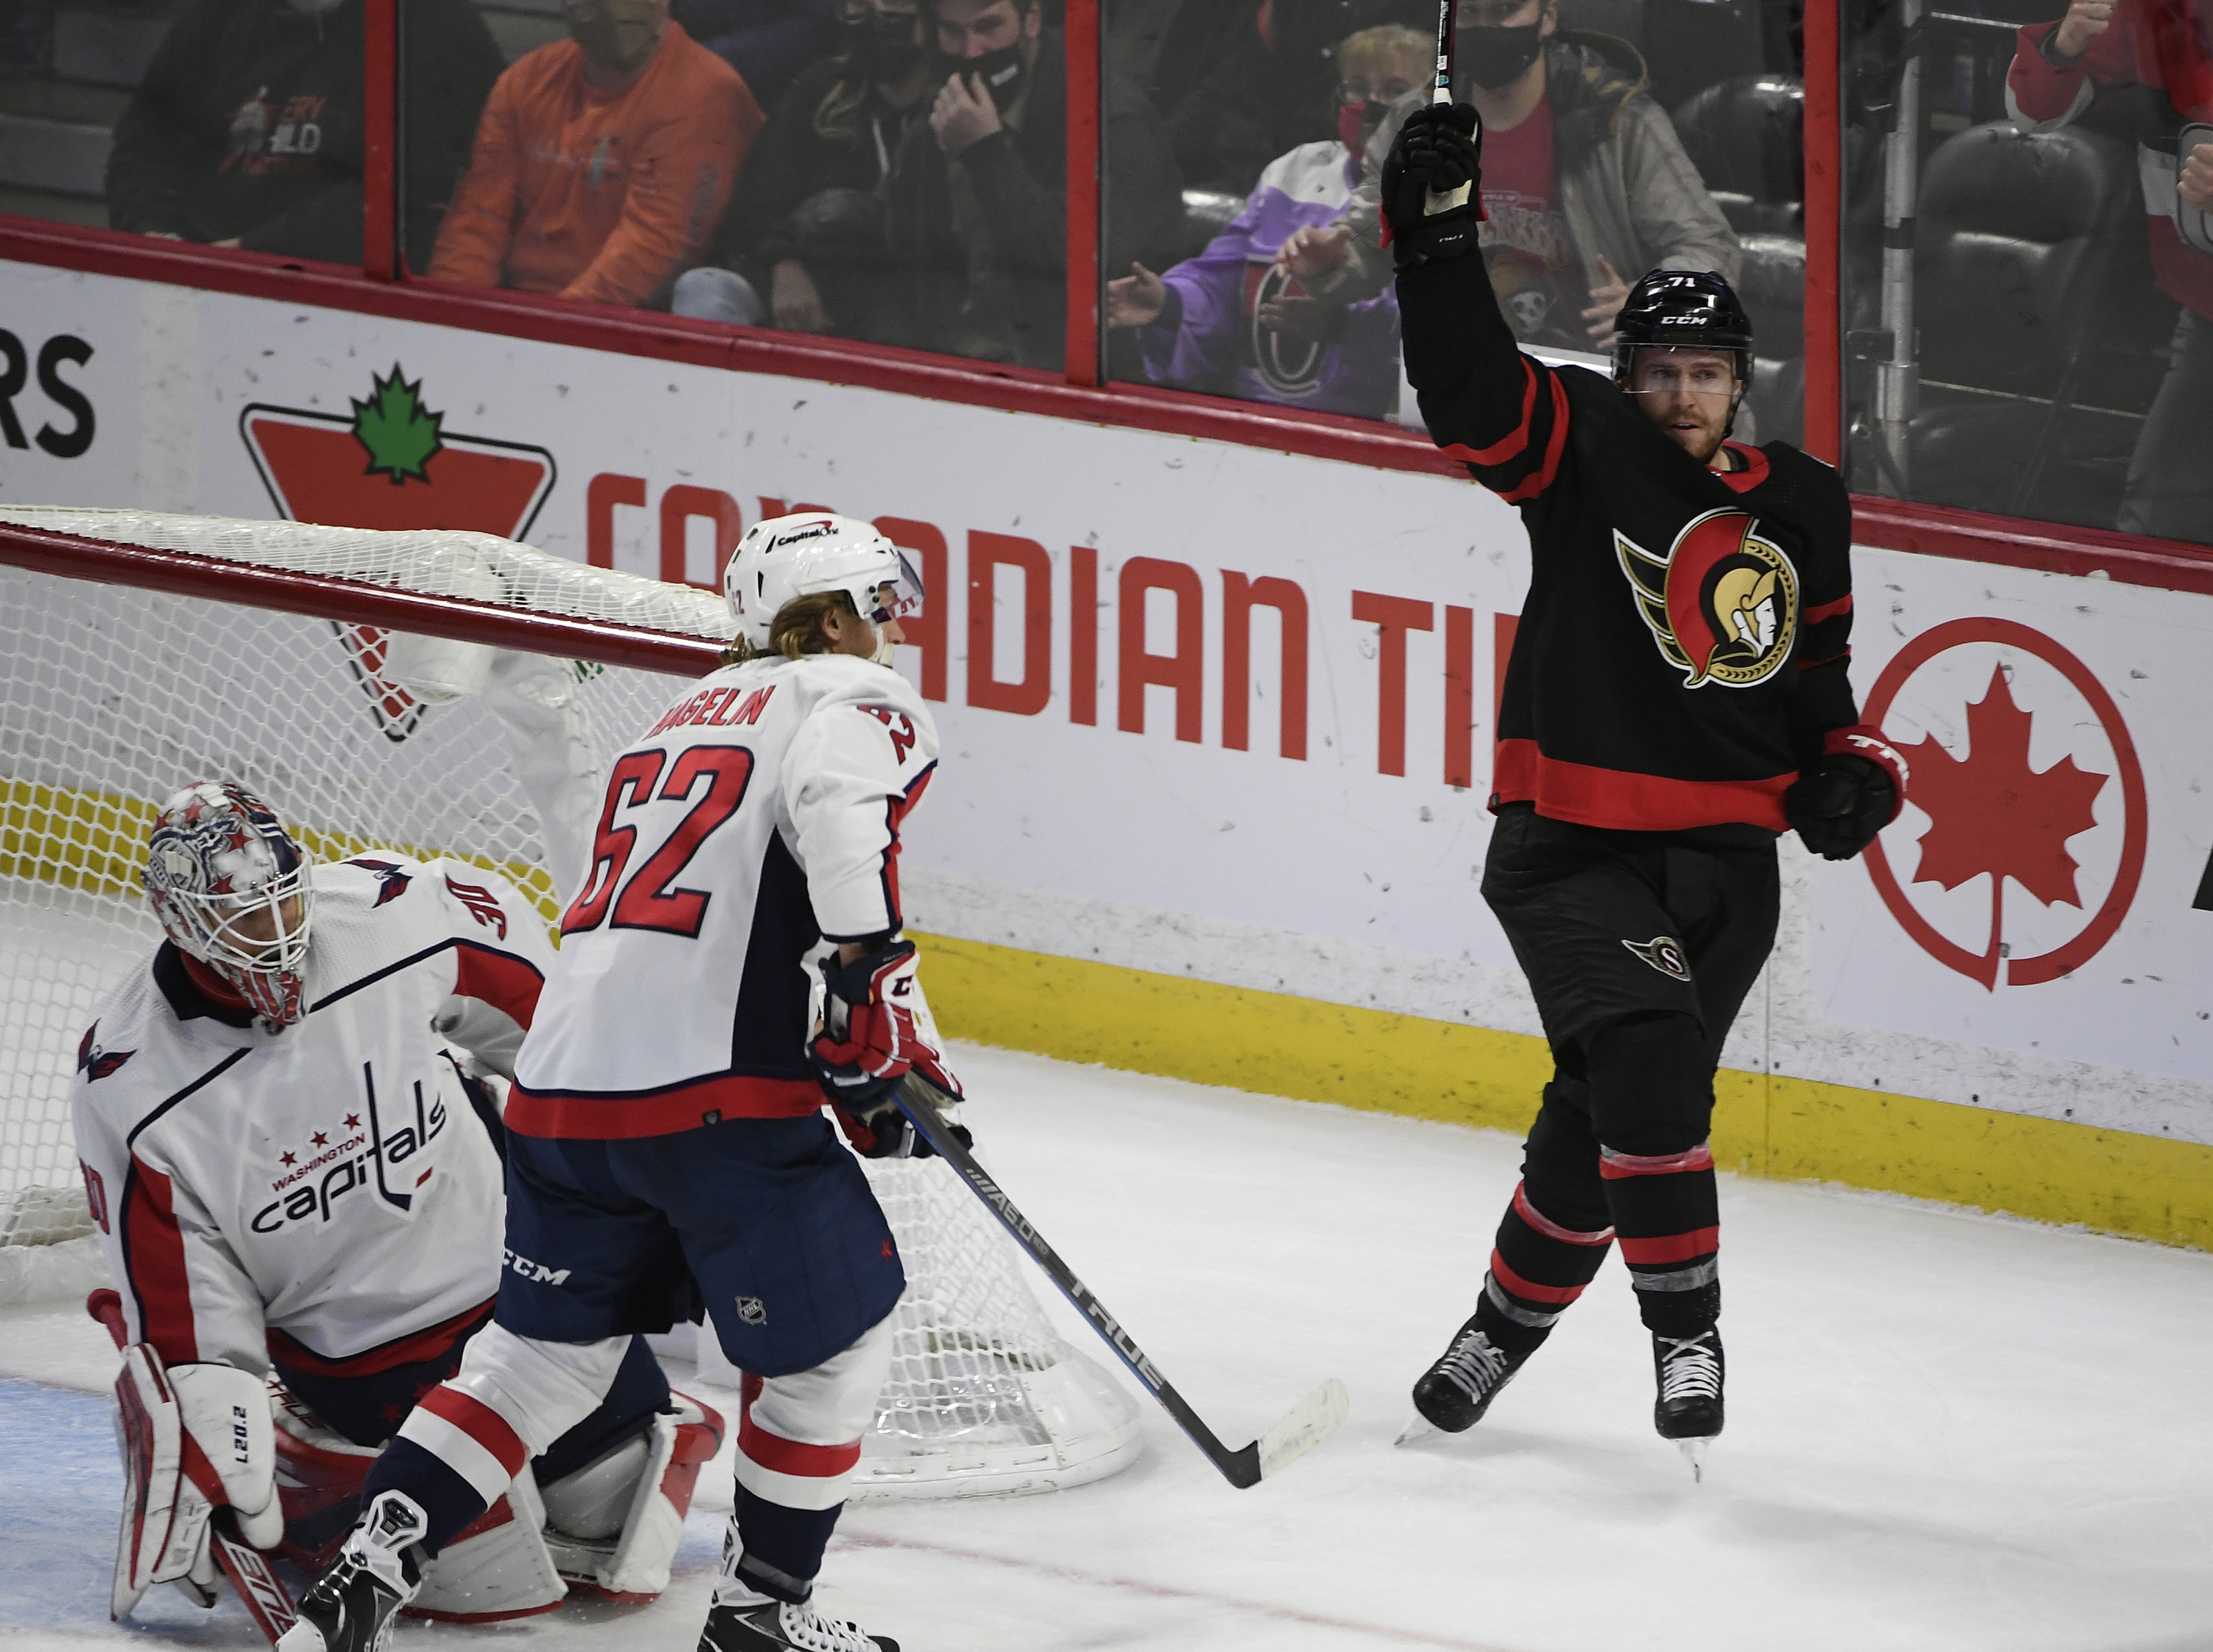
{"points": [[1387, 45]]}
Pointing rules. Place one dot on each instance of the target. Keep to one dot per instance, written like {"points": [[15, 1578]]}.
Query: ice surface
{"points": [[1947, 1431]]}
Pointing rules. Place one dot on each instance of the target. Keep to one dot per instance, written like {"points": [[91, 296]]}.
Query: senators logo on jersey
{"points": [[1722, 603]]}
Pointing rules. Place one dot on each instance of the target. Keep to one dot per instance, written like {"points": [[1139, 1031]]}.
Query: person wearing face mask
{"points": [[977, 203], [602, 163], [247, 129], [1585, 184], [1230, 321], [802, 246]]}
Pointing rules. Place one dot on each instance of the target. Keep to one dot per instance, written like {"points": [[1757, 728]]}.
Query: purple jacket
{"points": [[1206, 338]]}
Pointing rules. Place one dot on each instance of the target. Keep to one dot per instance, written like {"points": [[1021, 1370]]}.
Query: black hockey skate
{"points": [[777, 1626], [1688, 1371], [349, 1608], [1453, 1394]]}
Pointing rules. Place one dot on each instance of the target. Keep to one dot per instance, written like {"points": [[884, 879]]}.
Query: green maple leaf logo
{"points": [[398, 433]]}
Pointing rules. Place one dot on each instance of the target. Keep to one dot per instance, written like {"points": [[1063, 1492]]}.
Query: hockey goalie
{"points": [[290, 1124]]}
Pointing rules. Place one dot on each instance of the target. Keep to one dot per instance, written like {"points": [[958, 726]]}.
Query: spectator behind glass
{"points": [[978, 197], [1269, 91], [806, 223], [602, 163], [766, 41], [246, 130], [1585, 183], [2086, 65], [1229, 320]]}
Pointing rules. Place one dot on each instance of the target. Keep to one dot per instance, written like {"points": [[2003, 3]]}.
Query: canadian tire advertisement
{"points": [[1223, 712]]}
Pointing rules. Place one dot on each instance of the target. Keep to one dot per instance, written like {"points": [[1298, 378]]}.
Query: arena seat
{"points": [[1746, 138]]}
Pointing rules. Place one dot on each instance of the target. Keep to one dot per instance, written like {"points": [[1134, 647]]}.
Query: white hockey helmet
{"points": [[219, 857], [788, 557]]}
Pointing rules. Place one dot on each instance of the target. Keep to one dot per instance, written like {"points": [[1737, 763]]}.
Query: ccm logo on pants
{"points": [[537, 1272]]}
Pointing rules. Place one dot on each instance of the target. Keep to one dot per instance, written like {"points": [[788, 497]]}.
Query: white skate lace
{"points": [[1689, 1369], [809, 1631], [1474, 1366]]}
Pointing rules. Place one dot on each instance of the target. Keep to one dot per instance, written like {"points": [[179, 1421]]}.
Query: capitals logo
{"points": [[1722, 603]]}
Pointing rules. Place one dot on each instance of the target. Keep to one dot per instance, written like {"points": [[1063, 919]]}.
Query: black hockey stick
{"points": [[1441, 91], [1303, 1428]]}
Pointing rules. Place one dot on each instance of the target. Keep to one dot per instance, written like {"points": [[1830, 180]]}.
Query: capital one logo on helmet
{"points": [[1722, 605]]}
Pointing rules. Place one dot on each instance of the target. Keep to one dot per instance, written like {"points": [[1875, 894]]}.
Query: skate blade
{"points": [[1694, 1454], [1417, 1429], [1307, 1424]]}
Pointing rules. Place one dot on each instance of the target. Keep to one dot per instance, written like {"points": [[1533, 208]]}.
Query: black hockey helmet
{"points": [[1692, 308]]}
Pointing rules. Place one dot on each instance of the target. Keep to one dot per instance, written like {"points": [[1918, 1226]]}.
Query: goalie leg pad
{"points": [[320, 1473], [616, 1521], [496, 1568]]}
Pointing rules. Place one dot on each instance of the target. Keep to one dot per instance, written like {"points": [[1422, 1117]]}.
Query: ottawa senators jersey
{"points": [[1683, 648], [757, 817], [327, 1189]]}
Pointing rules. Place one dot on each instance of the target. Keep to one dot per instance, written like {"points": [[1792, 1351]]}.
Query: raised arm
{"points": [[1500, 412]]}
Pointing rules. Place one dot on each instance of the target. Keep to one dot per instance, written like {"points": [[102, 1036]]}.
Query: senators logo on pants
{"points": [[1722, 603]]}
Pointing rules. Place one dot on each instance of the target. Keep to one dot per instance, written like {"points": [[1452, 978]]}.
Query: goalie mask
{"points": [[789, 556], [230, 888]]}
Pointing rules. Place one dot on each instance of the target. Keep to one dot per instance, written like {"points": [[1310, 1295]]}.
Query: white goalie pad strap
{"points": [[799, 1440], [165, 1518], [497, 1568], [225, 1413]]}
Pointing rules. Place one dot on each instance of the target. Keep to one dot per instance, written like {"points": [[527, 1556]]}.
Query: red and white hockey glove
{"points": [[877, 1028], [1853, 791]]}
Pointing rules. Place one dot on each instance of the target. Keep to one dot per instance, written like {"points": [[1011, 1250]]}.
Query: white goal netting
{"points": [[111, 695]]}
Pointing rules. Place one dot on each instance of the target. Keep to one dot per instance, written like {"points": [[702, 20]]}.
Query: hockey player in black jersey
{"points": [[1676, 699]]}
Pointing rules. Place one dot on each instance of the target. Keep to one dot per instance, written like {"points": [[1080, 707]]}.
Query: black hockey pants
{"points": [[1639, 947]]}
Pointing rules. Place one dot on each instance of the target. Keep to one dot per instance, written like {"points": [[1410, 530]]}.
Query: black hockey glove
{"points": [[877, 1028], [1853, 791], [1438, 153]]}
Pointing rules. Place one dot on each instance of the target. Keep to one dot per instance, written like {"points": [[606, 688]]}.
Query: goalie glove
{"points": [[1431, 205], [875, 1028], [1851, 792], [195, 1439]]}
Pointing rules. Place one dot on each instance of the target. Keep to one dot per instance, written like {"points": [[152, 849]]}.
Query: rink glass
{"points": [[2004, 337], [1727, 76]]}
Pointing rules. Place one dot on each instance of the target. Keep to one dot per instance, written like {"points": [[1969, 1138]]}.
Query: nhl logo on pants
{"points": [[1665, 953], [751, 1311]]}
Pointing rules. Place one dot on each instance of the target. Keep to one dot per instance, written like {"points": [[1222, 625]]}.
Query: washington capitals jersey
{"points": [[327, 1191], [1683, 648], [757, 818]]}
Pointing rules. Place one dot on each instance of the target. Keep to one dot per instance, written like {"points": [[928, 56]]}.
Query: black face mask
{"points": [[1003, 73], [1496, 57]]}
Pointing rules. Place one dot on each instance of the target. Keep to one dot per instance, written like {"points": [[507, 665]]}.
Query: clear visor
{"points": [[1657, 371], [899, 598]]}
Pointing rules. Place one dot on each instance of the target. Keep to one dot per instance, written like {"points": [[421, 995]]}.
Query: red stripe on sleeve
{"points": [[892, 817], [154, 1256], [498, 978], [781, 1456], [1830, 610], [1532, 486], [1508, 445], [1521, 1287], [1675, 1247], [480, 1423]]}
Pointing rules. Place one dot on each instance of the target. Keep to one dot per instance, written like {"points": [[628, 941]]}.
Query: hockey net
{"points": [[429, 693]]}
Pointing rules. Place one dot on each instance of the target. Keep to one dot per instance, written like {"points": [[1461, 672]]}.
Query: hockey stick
{"points": [[1308, 1424], [266, 1600], [1441, 91]]}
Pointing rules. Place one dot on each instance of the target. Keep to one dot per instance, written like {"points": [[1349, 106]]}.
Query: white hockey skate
{"points": [[351, 1607]]}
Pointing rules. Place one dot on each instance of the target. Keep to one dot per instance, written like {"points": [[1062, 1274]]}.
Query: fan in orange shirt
{"points": [[602, 163]]}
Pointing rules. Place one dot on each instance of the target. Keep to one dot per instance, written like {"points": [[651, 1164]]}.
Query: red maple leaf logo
{"points": [[1990, 812]]}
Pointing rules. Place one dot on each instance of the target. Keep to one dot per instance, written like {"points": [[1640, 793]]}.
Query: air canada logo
{"points": [[2022, 843], [392, 463], [1722, 603]]}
